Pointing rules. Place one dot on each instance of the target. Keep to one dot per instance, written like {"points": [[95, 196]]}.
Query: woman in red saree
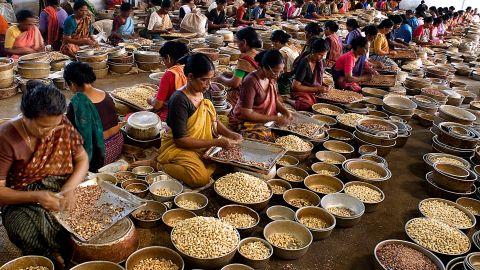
{"points": [[308, 80], [24, 38], [334, 41], [41, 154], [52, 18], [259, 101], [77, 29]]}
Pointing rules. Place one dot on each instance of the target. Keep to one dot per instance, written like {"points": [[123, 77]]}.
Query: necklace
{"points": [[29, 140]]}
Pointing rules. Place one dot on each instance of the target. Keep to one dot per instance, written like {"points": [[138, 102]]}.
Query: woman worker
{"points": [[259, 101], [193, 128], [23, 38], [51, 23], [308, 80], [312, 32], [380, 49], [173, 78], [41, 154], [280, 41], [92, 113], [123, 27], [77, 30], [334, 42], [247, 41], [159, 22], [353, 33], [244, 13], [350, 68]]}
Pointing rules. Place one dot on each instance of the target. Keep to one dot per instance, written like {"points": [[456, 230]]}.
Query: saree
{"points": [[184, 164], [89, 125], [305, 100], [82, 31], [32, 38], [123, 30], [245, 65], [53, 30], [180, 81], [268, 106], [336, 49]]}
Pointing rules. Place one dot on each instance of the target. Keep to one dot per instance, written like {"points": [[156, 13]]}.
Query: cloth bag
{"points": [[194, 23]]}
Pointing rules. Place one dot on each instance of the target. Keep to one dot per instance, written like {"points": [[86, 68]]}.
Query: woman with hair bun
{"points": [[194, 128], [259, 101], [92, 113], [280, 41]]}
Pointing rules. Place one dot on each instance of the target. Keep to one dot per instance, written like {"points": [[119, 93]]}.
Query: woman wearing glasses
{"points": [[92, 112], [41, 154], [259, 101]]}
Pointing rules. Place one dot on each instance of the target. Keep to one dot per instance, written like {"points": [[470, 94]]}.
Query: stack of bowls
{"points": [[97, 60], [472, 261], [435, 93], [380, 133], [219, 98], [399, 106], [211, 53], [456, 139], [456, 114], [450, 181], [119, 61], [147, 60], [214, 41], [32, 69], [234, 53], [426, 103], [437, 72], [454, 98], [6, 72], [414, 84]]}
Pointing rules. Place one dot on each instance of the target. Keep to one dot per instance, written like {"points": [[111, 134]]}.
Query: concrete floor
{"points": [[350, 248]]}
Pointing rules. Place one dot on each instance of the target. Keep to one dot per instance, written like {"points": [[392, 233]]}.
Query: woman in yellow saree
{"points": [[193, 127]]}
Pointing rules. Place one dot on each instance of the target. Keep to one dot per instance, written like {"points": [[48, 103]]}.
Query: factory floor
{"points": [[350, 248]]}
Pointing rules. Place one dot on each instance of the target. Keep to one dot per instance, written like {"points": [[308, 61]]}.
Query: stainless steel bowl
{"points": [[142, 171], [445, 180], [154, 252], [340, 147], [279, 212], [353, 164], [279, 182], [174, 186], [138, 189], [340, 134], [292, 161], [335, 158], [155, 177], [299, 231], [317, 212], [240, 209], [174, 215], [318, 167], [198, 198], [346, 201], [471, 205], [282, 172], [98, 265], [154, 206], [369, 206], [434, 190], [125, 183], [107, 178], [377, 159], [27, 261], [455, 264], [257, 264], [323, 180], [122, 176], [450, 203], [299, 193], [237, 266]]}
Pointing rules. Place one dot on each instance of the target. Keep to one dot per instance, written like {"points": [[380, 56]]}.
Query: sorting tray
{"points": [[301, 118], [381, 80], [252, 150], [129, 101], [112, 195], [404, 54]]}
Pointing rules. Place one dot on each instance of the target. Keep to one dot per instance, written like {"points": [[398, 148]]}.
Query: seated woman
{"points": [[423, 34], [193, 128], [159, 22], [23, 38], [173, 78], [334, 43], [280, 41], [123, 27], [247, 41], [92, 112], [295, 10], [41, 154], [405, 31], [259, 101], [308, 79], [353, 33], [187, 7], [312, 32], [352, 68], [51, 23], [243, 16], [379, 48], [313, 10], [216, 17], [77, 30]]}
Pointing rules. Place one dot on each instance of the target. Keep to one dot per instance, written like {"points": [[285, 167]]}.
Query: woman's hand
{"points": [[67, 200], [236, 136], [48, 200], [147, 162], [282, 120], [226, 143]]}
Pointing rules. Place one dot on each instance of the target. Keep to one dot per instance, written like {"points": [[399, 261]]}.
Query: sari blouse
{"points": [[70, 27], [53, 155]]}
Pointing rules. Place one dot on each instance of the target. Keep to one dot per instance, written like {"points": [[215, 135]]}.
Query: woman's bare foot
{"points": [[59, 261]]}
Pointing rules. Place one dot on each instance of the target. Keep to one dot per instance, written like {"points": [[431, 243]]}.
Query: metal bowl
{"points": [[317, 212], [257, 264], [369, 206], [174, 215], [450, 182], [175, 186], [451, 170], [383, 139], [367, 150], [352, 164], [456, 114], [142, 189], [434, 190], [340, 147], [154, 252], [278, 182], [323, 180], [346, 201], [427, 158], [472, 261], [107, 178], [282, 172], [377, 159], [142, 171], [332, 157], [399, 105], [425, 119], [236, 266], [125, 183], [318, 167], [378, 114], [373, 92], [292, 161], [335, 109], [279, 212], [455, 264], [146, 56], [148, 66], [302, 155], [419, 248], [299, 193], [154, 206], [325, 119], [240, 209], [123, 176], [382, 150], [27, 261], [471, 205], [299, 231], [98, 265], [198, 198], [340, 134], [158, 176], [456, 205]]}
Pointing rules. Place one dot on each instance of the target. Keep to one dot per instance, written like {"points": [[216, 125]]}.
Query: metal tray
{"points": [[252, 150], [381, 80], [127, 102], [300, 118], [113, 195], [404, 54]]}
